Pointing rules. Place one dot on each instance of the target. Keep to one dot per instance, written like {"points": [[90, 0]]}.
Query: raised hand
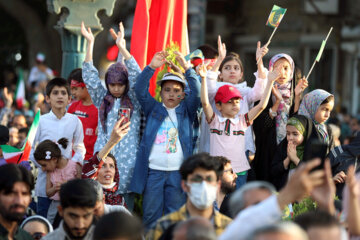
{"points": [[119, 130], [158, 60], [301, 86], [181, 60], [273, 75], [87, 33], [261, 51], [324, 193], [221, 49], [174, 67], [119, 37], [8, 97], [202, 70]]}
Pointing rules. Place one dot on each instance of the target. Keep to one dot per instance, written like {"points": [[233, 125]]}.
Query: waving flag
{"points": [[20, 91], [276, 14], [15, 155]]}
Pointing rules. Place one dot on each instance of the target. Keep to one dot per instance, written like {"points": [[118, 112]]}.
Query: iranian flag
{"points": [[20, 91], [157, 23], [15, 155]]}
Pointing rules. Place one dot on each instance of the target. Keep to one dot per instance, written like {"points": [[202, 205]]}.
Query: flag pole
{"points": [[312, 67], [268, 42]]}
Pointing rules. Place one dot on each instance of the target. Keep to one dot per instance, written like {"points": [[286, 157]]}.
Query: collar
{"points": [[52, 114], [232, 120], [169, 109]]}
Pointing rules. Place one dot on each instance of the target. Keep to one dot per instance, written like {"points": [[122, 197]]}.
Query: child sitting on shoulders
{"points": [[167, 140], [58, 170]]}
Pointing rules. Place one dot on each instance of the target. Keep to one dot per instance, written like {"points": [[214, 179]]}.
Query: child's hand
{"points": [[87, 33], [180, 58], [273, 75], [351, 183], [340, 177], [291, 151], [261, 51], [221, 49], [119, 37], [301, 86], [158, 60], [174, 67], [57, 187], [275, 91], [202, 70]]}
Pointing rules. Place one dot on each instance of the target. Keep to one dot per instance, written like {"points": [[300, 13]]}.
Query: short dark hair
{"points": [[76, 75], [77, 193], [12, 173], [316, 219], [127, 226], [222, 160], [24, 130], [201, 160], [60, 82], [209, 51]]}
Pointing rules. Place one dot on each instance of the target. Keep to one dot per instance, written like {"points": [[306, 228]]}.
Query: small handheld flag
{"points": [[275, 17], [195, 54], [321, 50]]}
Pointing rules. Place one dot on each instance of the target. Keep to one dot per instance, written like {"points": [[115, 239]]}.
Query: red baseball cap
{"points": [[227, 92]]}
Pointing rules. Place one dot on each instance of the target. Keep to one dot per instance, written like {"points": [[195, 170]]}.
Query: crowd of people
{"points": [[212, 159]]}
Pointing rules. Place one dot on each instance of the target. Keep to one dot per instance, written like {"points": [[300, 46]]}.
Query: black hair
{"points": [[77, 193], [24, 130], [328, 99], [76, 75], [232, 56], [201, 160], [316, 219], [50, 146], [209, 51], [127, 227], [222, 160], [12, 173], [59, 82], [112, 157]]}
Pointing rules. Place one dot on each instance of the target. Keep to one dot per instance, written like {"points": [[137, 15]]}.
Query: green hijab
{"points": [[300, 123]]}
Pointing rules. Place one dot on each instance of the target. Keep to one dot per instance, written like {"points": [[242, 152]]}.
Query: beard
{"points": [[12, 216], [69, 231], [228, 187]]}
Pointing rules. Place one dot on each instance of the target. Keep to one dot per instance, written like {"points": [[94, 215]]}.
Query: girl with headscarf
{"points": [[290, 151], [270, 126], [119, 93], [318, 105]]}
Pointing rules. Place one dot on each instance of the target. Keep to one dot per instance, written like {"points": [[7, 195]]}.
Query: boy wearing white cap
{"points": [[167, 139]]}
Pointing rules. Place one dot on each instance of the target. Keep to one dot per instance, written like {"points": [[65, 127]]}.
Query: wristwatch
{"points": [[272, 113]]}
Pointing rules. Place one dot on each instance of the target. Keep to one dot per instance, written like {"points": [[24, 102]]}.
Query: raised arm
{"points": [[299, 89], [119, 38], [222, 55], [212, 75], [255, 111], [207, 108], [89, 36]]}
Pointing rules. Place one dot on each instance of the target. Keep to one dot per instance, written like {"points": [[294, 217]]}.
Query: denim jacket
{"points": [[155, 114]]}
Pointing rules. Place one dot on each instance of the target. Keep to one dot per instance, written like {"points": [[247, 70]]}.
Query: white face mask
{"points": [[202, 195]]}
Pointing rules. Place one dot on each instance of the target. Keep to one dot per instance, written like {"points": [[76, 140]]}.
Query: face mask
{"points": [[202, 195]]}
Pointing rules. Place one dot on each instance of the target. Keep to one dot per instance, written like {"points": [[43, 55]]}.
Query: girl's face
{"points": [[48, 165], [229, 109], [323, 112], [231, 72], [293, 135], [285, 70], [116, 89], [107, 172]]}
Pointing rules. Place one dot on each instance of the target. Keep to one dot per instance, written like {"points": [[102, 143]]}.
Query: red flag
{"points": [[156, 24]]}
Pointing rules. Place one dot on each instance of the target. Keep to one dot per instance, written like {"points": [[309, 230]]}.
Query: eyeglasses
{"points": [[229, 170], [38, 235], [199, 179]]}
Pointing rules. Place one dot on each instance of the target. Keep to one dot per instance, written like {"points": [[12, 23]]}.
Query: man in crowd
{"points": [[77, 204], [200, 175], [16, 184]]}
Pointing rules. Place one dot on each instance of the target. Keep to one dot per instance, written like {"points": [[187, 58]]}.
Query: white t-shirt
{"points": [[166, 153]]}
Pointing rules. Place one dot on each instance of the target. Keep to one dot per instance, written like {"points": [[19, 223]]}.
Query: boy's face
{"points": [[172, 93], [59, 98], [229, 109], [79, 93]]}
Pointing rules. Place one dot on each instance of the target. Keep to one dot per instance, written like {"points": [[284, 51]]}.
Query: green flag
{"points": [[276, 14], [321, 50]]}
